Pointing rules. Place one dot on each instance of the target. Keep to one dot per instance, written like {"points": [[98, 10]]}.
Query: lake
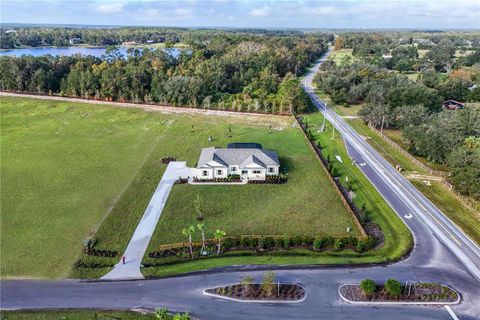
{"points": [[70, 51]]}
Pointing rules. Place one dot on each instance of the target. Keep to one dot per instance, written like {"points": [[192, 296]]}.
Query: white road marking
{"points": [[363, 164], [408, 216], [452, 314]]}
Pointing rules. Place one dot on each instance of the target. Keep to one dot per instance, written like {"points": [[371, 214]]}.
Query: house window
{"points": [[244, 171], [256, 171], [219, 172], [205, 173], [233, 169], [271, 170]]}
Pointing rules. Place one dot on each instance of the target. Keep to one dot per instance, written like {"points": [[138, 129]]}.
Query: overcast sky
{"points": [[430, 14]]}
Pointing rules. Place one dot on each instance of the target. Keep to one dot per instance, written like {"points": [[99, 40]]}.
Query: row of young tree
{"points": [[235, 72], [392, 100]]}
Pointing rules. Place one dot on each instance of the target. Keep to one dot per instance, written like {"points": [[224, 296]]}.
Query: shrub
{"points": [[350, 241], [361, 245], [229, 243], [161, 314], [297, 240], [261, 244], [306, 240], [393, 287], [252, 242], [244, 242], [268, 242], [279, 242], [338, 244], [286, 242], [246, 283], [368, 287], [322, 242], [268, 282], [184, 316]]}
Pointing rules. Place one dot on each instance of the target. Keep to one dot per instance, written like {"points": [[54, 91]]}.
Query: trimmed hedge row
{"points": [[271, 244]]}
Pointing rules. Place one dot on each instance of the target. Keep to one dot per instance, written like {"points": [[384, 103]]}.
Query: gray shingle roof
{"points": [[243, 157]]}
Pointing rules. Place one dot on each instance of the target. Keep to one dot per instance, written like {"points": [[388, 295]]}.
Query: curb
{"points": [[213, 295], [398, 303]]}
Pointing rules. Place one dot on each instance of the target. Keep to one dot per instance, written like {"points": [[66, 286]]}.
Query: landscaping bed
{"points": [[268, 290], [413, 293]]}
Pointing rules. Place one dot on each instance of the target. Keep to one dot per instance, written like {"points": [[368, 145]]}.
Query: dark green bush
{"points": [[244, 242], [286, 242], [306, 240], [368, 287], [261, 244], [229, 243], [268, 242], [393, 287], [279, 242], [338, 245], [297, 240], [350, 241]]}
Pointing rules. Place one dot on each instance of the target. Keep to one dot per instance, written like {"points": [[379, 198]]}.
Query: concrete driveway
{"points": [[141, 237]]}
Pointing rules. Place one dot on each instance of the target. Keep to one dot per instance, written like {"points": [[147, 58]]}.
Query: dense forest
{"points": [[238, 70], [373, 79]]}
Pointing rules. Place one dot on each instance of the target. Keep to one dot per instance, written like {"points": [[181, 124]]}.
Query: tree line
{"points": [[232, 71]]}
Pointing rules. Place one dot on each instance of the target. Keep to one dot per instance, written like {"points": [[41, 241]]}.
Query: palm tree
{"points": [[200, 227], [188, 232], [219, 234]]}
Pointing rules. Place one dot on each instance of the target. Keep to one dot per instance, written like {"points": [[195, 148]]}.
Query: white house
{"points": [[247, 160]]}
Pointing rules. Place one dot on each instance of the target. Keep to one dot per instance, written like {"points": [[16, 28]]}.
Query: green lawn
{"points": [[66, 165], [303, 206], [339, 56], [63, 167], [75, 315]]}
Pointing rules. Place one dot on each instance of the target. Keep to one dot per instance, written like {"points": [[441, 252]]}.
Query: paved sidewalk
{"points": [[141, 237]]}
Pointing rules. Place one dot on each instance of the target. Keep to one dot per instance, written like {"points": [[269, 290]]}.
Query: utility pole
{"points": [[323, 124], [383, 121], [333, 125]]}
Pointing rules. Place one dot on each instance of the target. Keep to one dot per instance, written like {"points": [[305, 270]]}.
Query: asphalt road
{"points": [[404, 198], [442, 253]]}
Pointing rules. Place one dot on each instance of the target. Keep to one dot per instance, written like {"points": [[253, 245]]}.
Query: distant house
{"points": [[248, 160], [149, 41], [129, 43], [452, 105], [74, 41]]}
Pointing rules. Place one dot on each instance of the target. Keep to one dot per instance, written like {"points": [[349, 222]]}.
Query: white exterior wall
{"points": [[225, 172], [201, 176], [275, 171], [220, 172], [256, 176], [234, 170]]}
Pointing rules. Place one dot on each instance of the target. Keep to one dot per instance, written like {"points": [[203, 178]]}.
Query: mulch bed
{"points": [[420, 292], [287, 292]]}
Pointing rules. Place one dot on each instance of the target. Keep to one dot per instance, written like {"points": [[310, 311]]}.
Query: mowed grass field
{"points": [[306, 205], [339, 56], [66, 167], [63, 167]]}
